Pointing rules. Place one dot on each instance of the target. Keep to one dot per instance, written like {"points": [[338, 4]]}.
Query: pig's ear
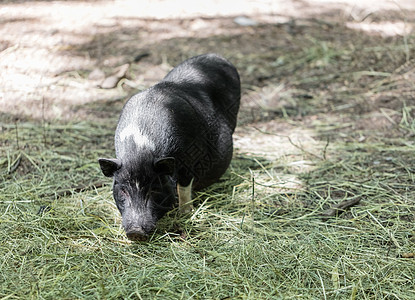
{"points": [[164, 166], [109, 166]]}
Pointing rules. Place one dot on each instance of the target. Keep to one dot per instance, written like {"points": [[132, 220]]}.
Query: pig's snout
{"points": [[136, 234]]}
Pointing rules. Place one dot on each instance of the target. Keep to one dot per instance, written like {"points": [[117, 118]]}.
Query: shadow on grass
{"points": [[246, 238]]}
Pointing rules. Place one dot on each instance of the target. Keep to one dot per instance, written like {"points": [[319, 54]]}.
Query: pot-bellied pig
{"points": [[171, 138]]}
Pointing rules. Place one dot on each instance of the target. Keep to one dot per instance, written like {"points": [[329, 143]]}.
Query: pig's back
{"points": [[214, 76], [205, 96], [190, 115]]}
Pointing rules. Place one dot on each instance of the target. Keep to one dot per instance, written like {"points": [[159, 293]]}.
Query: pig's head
{"points": [[143, 190]]}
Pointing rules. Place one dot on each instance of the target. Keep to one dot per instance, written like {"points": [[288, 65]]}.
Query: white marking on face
{"points": [[139, 139]]}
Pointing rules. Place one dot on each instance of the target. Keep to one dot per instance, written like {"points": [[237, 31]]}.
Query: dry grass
{"points": [[339, 104], [247, 239]]}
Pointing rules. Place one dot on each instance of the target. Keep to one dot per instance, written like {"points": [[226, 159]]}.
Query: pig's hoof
{"points": [[185, 209]]}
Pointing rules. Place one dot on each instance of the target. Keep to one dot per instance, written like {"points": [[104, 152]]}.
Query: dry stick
{"points": [[112, 81], [407, 255], [76, 189], [80, 188], [339, 208], [46, 208]]}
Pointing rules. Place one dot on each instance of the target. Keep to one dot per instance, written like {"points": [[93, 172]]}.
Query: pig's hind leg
{"points": [[185, 197]]}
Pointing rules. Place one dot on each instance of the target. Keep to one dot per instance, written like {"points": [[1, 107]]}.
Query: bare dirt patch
{"points": [[50, 47], [301, 62]]}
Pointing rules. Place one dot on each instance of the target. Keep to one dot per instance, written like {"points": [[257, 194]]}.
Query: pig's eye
{"points": [[121, 197]]}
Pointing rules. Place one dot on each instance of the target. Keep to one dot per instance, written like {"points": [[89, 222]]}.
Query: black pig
{"points": [[174, 135]]}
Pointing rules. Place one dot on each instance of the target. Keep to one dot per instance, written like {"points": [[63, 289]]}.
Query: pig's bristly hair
{"points": [[138, 167]]}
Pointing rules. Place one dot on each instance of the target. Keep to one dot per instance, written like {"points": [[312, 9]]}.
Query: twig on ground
{"points": [[339, 208]]}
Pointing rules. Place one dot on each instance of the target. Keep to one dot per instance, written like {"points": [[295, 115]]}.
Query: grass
{"points": [[245, 240], [250, 236]]}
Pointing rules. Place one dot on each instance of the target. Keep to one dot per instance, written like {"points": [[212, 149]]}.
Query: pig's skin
{"points": [[176, 134]]}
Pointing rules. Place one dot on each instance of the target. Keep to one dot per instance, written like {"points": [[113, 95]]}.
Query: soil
{"points": [[310, 69]]}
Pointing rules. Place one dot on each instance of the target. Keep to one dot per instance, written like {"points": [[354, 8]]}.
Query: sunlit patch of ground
{"points": [[48, 48], [288, 151]]}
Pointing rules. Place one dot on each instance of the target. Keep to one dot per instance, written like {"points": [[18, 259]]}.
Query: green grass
{"points": [[250, 237], [242, 242]]}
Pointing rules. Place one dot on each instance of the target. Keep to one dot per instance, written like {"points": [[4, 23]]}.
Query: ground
{"points": [[327, 119]]}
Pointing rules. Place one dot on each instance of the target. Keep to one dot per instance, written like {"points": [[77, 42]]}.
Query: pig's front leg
{"points": [[185, 197]]}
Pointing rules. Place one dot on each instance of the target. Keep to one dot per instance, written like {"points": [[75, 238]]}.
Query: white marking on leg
{"points": [[139, 139], [185, 197]]}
